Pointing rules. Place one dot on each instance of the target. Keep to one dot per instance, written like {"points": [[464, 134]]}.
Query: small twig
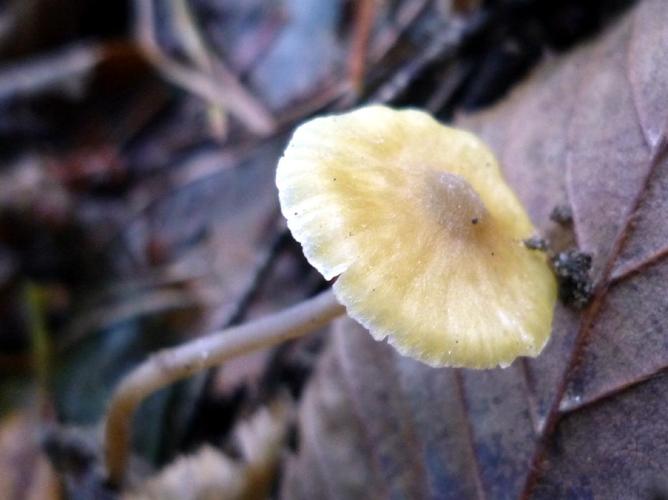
{"points": [[62, 67], [457, 33], [195, 48], [329, 96], [366, 10], [186, 27], [153, 302], [216, 83], [180, 362], [451, 80], [390, 36], [41, 348]]}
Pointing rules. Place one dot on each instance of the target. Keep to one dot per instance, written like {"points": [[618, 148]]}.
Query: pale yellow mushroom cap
{"points": [[424, 233]]}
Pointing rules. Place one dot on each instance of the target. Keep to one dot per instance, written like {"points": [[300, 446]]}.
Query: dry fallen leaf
{"points": [[25, 472], [588, 418], [208, 474]]}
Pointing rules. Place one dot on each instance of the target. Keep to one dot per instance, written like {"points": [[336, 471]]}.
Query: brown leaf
{"points": [[587, 419], [209, 474]]}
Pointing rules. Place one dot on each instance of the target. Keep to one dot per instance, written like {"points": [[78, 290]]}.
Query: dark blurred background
{"points": [[138, 142]]}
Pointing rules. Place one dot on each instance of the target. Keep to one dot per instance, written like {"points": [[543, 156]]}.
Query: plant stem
{"points": [[170, 365]]}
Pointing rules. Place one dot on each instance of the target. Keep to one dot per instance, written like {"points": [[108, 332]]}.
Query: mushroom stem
{"points": [[170, 365]]}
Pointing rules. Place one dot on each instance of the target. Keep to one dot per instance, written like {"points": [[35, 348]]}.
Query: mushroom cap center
{"points": [[454, 203]]}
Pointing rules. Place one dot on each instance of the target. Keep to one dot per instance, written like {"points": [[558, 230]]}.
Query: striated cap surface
{"points": [[424, 233]]}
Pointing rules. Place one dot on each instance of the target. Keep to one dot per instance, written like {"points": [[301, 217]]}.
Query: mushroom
{"points": [[424, 234], [426, 239]]}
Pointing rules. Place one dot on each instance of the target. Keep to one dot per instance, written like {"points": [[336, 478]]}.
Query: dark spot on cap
{"points": [[474, 220]]}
